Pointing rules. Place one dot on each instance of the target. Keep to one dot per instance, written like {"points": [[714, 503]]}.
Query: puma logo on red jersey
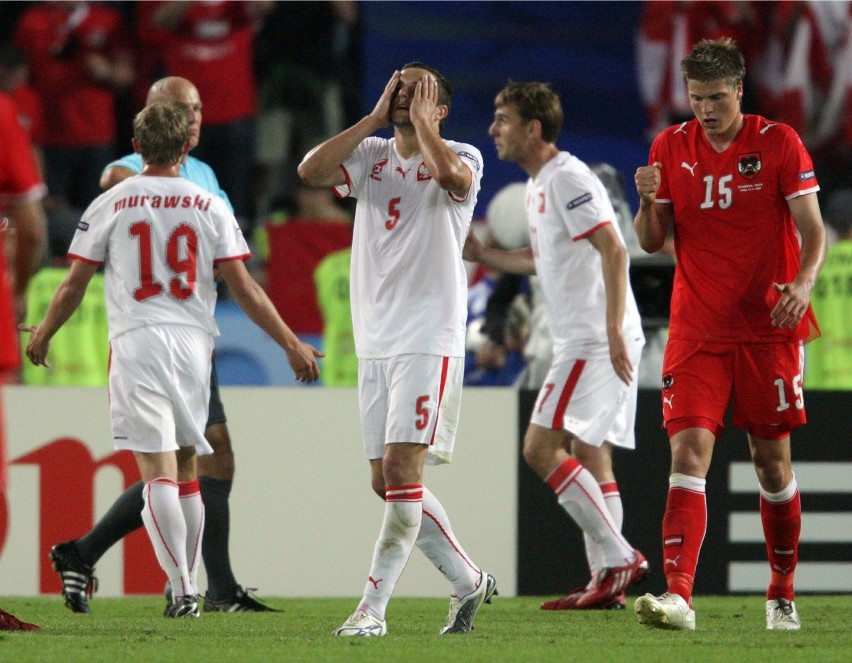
{"points": [[691, 168]]}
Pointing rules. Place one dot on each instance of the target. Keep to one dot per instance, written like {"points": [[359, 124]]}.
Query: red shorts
{"points": [[763, 380]]}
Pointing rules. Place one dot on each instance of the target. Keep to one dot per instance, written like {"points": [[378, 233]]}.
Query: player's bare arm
{"points": [[30, 238], [796, 295], [443, 164], [519, 261], [321, 166], [254, 301], [62, 306], [652, 221], [614, 265]]}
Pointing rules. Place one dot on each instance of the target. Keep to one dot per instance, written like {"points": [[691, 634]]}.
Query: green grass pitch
{"points": [[124, 630]]}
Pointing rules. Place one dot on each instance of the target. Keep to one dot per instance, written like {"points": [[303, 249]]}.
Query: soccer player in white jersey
{"points": [[75, 559], [159, 237], [416, 193], [587, 403]]}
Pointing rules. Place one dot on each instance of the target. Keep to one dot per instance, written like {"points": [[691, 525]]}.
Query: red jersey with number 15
{"points": [[733, 231]]}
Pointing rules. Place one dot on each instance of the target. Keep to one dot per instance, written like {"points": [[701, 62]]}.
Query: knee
{"points": [[378, 485], [392, 472], [597, 460], [220, 464], [773, 475], [537, 455], [772, 464], [690, 460]]}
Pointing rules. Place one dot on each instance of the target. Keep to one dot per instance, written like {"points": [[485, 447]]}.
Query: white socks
{"points": [[439, 544], [401, 525], [166, 526]]}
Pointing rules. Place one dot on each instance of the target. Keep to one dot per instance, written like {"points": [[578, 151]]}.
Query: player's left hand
{"points": [[303, 361], [37, 347], [792, 306], [620, 357]]}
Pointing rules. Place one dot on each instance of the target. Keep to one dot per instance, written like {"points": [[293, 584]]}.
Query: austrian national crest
{"points": [[748, 165]]}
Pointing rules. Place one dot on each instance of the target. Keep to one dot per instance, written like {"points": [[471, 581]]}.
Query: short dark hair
{"points": [[445, 91], [534, 101], [161, 130], [713, 60]]}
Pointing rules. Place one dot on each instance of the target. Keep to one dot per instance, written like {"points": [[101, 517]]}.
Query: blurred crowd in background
{"points": [[276, 78]]}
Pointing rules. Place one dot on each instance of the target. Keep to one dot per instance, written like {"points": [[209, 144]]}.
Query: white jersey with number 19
{"points": [[408, 281], [159, 238]]}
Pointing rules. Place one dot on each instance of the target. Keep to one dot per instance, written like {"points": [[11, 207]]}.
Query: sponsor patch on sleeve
{"points": [[82, 225], [807, 175], [473, 160], [586, 197]]}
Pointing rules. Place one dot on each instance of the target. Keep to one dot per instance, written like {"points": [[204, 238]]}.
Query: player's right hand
{"points": [[37, 346], [648, 180], [382, 112]]}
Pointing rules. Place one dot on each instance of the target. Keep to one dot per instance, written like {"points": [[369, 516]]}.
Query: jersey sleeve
{"points": [[355, 167], [583, 201], [232, 244], [797, 176], [472, 158], [92, 236]]}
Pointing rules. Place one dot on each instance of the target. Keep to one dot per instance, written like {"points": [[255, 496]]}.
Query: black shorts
{"points": [[216, 411]]}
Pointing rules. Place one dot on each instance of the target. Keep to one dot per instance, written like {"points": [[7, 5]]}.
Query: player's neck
{"points": [[161, 171], [538, 158], [407, 144]]}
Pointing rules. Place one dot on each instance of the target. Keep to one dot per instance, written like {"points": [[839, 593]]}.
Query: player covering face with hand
{"points": [[416, 194]]}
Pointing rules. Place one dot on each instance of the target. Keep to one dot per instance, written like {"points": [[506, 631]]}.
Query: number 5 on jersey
{"points": [[393, 212]]}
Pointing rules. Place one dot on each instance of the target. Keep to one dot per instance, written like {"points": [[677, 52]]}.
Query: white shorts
{"points": [[159, 388], [410, 398], [585, 397]]}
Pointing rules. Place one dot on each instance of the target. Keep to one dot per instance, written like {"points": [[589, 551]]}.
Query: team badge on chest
{"points": [[749, 165]]}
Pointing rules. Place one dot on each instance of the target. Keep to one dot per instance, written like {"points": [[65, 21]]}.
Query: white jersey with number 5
{"points": [[408, 281], [567, 202], [158, 238]]}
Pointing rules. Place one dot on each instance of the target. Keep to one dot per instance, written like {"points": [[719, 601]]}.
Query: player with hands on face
{"points": [[416, 194]]}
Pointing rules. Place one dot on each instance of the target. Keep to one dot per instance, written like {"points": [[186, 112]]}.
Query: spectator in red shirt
{"points": [[211, 44], [79, 58], [14, 81]]}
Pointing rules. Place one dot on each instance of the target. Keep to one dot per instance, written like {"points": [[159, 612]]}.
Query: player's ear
{"points": [[136, 147], [442, 111], [534, 128]]}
